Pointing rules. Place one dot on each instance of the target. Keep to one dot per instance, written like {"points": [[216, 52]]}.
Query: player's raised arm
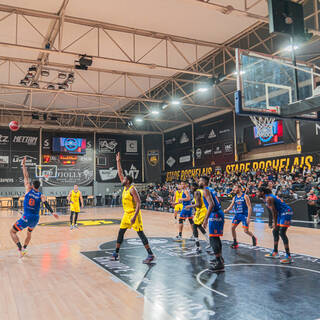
{"points": [[25, 175], [120, 172]]}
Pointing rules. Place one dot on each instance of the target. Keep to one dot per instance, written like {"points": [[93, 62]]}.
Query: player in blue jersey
{"points": [[186, 212], [282, 216], [31, 208], [215, 216], [241, 204]]}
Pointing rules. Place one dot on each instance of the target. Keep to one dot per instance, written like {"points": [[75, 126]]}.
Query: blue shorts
{"points": [[284, 219], [185, 214], [238, 217], [216, 223], [27, 220]]}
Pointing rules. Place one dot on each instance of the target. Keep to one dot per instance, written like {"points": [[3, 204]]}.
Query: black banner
{"points": [[310, 136], [14, 146], [153, 158], [107, 145], [71, 169]]}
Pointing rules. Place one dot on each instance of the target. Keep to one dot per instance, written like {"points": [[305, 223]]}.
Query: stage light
{"points": [[139, 120], [29, 75], [62, 75], [24, 82], [203, 89], [45, 73], [289, 48], [241, 72], [63, 86], [165, 106], [50, 87], [32, 69], [155, 112], [34, 85], [70, 78], [175, 102]]}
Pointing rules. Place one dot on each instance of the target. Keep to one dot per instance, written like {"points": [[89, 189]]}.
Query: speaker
{"points": [[242, 148], [286, 17]]}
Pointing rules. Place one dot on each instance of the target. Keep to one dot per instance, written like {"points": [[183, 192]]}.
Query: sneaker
{"points": [[115, 256], [71, 227], [254, 241], [286, 260], [76, 226], [235, 245], [273, 255], [149, 259], [23, 252], [217, 267], [198, 250], [177, 239]]}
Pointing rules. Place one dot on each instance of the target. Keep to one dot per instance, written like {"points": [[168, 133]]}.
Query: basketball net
{"points": [[264, 125]]}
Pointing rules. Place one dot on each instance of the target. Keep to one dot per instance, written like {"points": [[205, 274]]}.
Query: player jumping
{"points": [[132, 215], [282, 215], [31, 208], [243, 210]]}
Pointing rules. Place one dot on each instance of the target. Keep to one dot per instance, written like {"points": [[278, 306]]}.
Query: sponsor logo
{"points": [[207, 152], [82, 223], [153, 157], [184, 138], [170, 161], [228, 147], [133, 172], [4, 159], [198, 153], [46, 158], [224, 131], [108, 174], [200, 137], [46, 144], [71, 144], [184, 159], [107, 145], [212, 134], [170, 141], [137, 242], [28, 140], [6, 180], [68, 159], [30, 161], [4, 139], [132, 146], [217, 150]]}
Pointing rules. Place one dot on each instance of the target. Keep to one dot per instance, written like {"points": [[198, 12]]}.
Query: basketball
{"points": [[14, 126]]}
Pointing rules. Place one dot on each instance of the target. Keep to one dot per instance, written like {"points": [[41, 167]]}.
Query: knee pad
{"points": [[180, 221], [143, 237]]}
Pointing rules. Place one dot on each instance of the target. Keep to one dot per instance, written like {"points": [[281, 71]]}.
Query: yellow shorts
{"points": [[199, 216], [74, 208], [126, 221], [178, 207]]}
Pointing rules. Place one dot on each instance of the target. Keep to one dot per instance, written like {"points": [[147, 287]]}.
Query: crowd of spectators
{"points": [[300, 183]]}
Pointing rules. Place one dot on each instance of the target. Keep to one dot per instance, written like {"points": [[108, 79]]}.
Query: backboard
{"points": [[266, 87]]}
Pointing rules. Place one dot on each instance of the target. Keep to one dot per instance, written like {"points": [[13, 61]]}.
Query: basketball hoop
{"points": [[264, 125]]}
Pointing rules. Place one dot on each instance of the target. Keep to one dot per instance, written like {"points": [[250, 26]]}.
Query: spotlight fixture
{"points": [[35, 116], [29, 75], [45, 73], [289, 48], [139, 119], [84, 62], [165, 106], [216, 79], [35, 85], [241, 72], [63, 86], [130, 124], [24, 82], [155, 112], [70, 78], [62, 75], [203, 89], [50, 87], [32, 69], [175, 102]]}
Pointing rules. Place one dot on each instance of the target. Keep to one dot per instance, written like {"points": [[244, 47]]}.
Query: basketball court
{"points": [[178, 89]]}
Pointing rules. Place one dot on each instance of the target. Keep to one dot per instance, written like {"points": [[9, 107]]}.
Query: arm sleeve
{"points": [[47, 205]]}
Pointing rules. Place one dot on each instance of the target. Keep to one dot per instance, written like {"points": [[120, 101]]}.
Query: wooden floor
{"points": [[56, 282]]}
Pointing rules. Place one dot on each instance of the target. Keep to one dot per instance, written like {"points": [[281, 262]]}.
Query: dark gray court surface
{"points": [[251, 288]]}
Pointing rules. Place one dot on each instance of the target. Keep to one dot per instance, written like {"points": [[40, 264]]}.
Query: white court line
{"points": [[248, 264], [205, 286]]}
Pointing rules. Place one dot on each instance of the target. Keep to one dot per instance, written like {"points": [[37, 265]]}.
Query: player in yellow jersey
{"points": [[74, 198], [132, 215], [199, 216], [177, 205]]}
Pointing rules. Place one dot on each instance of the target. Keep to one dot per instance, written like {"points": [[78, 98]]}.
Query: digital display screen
{"points": [[69, 145], [276, 138]]}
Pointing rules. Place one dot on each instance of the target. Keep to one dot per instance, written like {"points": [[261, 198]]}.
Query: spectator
{"points": [[312, 204]]}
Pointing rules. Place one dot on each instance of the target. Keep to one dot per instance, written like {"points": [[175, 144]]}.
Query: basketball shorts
{"points": [[178, 207], [75, 208], [199, 216], [126, 221], [185, 214], [238, 217], [284, 219], [216, 223], [27, 220]]}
